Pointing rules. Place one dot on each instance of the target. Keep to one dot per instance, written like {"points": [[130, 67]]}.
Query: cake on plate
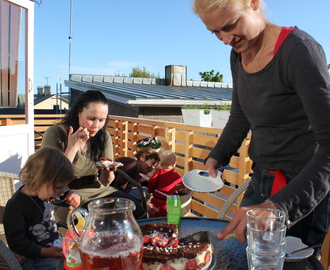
{"points": [[163, 250]]}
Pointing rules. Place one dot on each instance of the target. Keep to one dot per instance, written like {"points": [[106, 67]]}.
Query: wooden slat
{"points": [[144, 129], [9, 122], [232, 177], [201, 208], [180, 161], [159, 132], [226, 191], [209, 198], [40, 128], [180, 136], [204, 140], [179, 171], [46, 122]]}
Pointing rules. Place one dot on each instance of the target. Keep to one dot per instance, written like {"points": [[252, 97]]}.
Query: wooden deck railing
{"points": [[191, 145]]}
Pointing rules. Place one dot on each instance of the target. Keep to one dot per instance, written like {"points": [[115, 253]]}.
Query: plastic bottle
{"points": [[72, 256]]}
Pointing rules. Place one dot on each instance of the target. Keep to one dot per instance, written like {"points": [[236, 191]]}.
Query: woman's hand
{"points": [[76, 141], [210, 165], [107, 174], [52, 252], [239, 221], [110, 168], [73, 199]]}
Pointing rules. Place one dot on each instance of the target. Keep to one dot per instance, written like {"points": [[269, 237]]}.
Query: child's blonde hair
{"points": [[167, 158], [48, 165]]}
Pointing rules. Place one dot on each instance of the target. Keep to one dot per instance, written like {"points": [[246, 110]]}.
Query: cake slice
{"points": [[163, 250]]}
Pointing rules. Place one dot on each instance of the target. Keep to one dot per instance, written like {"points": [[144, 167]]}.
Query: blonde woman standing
{"points": [[281, 93]]}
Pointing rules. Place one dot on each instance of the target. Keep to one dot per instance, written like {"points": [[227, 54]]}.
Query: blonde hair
{"points": [[47, 166], [201, 5], [167, 158]]}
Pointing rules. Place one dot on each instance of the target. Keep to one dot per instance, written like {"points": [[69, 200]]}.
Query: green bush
{"points": [[223, 107], [204, 107], [207, 108]]}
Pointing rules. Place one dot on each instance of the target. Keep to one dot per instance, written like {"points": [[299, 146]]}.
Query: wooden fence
{"points": [[190, 143]]}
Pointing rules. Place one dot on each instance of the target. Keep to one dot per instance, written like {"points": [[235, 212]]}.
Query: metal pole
{"points": [[57, 88], [70, 37], [61, 93]]}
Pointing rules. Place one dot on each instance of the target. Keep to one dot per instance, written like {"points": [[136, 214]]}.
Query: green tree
{"points": [[141, 73], [329, 66], [211, 76]]}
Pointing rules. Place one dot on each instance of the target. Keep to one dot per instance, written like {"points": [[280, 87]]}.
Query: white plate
{"points": [[196, 182], [110, 165], [294, 243]]}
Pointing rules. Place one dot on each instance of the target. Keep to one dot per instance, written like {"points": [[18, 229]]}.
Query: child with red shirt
{"points": [[164, 182]]}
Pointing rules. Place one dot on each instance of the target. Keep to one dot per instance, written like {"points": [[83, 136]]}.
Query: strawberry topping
{"points": [[207, 257], [167, 267], [191, 264]]}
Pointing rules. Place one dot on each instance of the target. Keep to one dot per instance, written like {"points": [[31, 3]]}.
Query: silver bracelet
{"points": [[272, 204]]}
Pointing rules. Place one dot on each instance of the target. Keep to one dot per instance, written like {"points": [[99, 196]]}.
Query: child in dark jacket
{"points": [[164, 182], [28, 220]]}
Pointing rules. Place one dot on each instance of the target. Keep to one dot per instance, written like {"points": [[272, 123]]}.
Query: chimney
{"points": [[40, 90], [176, 75], [47, 90]]}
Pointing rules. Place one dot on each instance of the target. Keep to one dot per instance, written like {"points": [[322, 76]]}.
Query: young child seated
{"points": [[28, 220], [164, 182]]}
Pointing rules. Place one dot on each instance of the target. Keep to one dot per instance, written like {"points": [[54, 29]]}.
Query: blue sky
{"points": [[115, 36]]}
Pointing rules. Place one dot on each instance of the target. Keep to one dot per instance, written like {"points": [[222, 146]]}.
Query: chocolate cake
{"points": [[163, 250]]}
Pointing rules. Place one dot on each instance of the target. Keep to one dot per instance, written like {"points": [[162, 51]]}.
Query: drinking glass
{"points": [[263, 218], [266, 239], [264, 261]]}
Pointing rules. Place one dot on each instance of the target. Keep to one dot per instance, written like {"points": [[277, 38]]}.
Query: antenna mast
{"points": [[70, 37]]}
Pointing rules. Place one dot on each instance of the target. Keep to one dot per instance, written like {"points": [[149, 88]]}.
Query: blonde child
{"points": [[28, 220], [164, 182]]}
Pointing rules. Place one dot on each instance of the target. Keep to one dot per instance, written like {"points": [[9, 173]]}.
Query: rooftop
{"points": [[151, 91]]}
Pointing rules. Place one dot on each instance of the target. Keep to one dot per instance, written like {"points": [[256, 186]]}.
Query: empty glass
{"points": [[266, 239], [264, 261]]}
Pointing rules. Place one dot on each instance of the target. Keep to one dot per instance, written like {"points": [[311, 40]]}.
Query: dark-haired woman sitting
{"points": [[83, 138]]}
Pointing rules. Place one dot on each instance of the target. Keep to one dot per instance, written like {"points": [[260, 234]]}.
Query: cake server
{"points": [[208, 235]]}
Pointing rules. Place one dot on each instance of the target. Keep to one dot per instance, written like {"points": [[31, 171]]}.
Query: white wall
{"points": [[14, 147]]}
